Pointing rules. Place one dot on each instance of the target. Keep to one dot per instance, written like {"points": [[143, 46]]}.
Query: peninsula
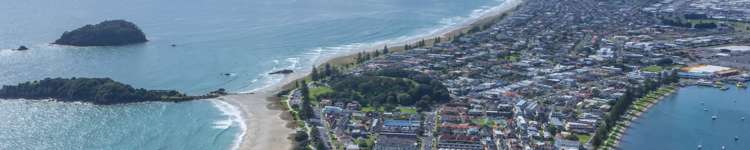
{"points": [[107, 33], [103, 91]]}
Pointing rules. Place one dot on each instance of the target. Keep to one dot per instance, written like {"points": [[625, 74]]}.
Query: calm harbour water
{"points": [[679, 122], [246, 38]]}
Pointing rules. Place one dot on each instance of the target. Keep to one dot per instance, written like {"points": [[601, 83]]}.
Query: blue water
{"points": [[247, 38], [679, 122]]}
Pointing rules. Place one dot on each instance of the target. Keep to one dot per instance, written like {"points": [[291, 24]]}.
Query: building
{"points": [[396, 141], [578, 127], [400, 126], [706, 71], [459, 142], [563, 144]]}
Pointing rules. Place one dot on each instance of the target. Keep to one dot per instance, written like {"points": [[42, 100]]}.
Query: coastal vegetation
{"points": [[93, 90], [634, 99], [107, 33], [388, 88], [319, 84]]}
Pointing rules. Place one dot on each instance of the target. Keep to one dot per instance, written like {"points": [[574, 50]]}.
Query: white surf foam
{"points": [[316, 56], [234, 116], [320, 55]]}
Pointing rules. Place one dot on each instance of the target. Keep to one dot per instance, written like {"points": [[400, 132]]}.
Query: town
{"points": [[549, 75]]}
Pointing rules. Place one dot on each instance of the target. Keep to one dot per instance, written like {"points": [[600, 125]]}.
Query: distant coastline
{"points": [[264, 118]]}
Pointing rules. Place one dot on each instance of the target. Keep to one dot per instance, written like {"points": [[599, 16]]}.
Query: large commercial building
{"points": [[706, 71]]}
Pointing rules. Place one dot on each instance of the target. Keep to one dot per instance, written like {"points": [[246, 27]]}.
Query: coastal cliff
{"points": [[94, 90], [107, 33]]}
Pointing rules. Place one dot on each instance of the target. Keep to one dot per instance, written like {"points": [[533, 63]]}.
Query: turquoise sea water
{"points": [[246, 38], [680, 123]]}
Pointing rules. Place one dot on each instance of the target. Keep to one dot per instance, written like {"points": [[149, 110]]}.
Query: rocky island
{"points": [[102, 91], [107, 33]]}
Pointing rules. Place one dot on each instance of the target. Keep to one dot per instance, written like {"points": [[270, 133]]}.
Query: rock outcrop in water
{"points": [[284, 71], [107, 33], [22, 48], [94, 90]]}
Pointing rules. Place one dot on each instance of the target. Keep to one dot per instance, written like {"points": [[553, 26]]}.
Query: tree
{"points": [[306, 110], [706, 25], [360, 57], [327, 70], [596, 92], [552, 129], [314, 75], [404, 99], [315, 133], [423, 103], [385, 49], [320, 145], [673, 77], [301, 136]]}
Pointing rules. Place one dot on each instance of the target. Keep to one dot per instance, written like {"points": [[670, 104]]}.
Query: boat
{"points": [[741, 85], [700, 146], [724, 88], [736, 138], [742, 118], [723, 147], [719, 84], [704, 83], [714, 117], [705, 109]]}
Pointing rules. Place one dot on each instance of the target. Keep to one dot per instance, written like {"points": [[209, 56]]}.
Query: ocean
{"points": [[246, 39], [679, 121]]}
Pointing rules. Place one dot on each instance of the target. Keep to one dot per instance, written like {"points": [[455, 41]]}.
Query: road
{"points": [[428, 126]]}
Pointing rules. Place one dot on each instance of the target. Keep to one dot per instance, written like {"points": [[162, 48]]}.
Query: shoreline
{"points": [[621, 140], [266, 122], [636, 114]]}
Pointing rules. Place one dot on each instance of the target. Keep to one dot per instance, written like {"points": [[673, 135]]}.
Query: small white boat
{"points": [[705, 109], [722, 147], [700, 146], [742, 118], [714, 117]]}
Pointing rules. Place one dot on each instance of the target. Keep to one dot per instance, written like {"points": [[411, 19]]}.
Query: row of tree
{"points": [[620, 107], [686, 24], [303, 141], [305, 112]]}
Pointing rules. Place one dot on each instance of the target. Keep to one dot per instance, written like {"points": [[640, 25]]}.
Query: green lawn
{"points": [[583, 138], [314, 92], [652, 68], [483, 122], [408, 110], [372, 109]]}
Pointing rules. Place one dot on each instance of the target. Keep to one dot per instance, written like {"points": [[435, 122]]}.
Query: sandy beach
{"points": [[265, 127]]}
